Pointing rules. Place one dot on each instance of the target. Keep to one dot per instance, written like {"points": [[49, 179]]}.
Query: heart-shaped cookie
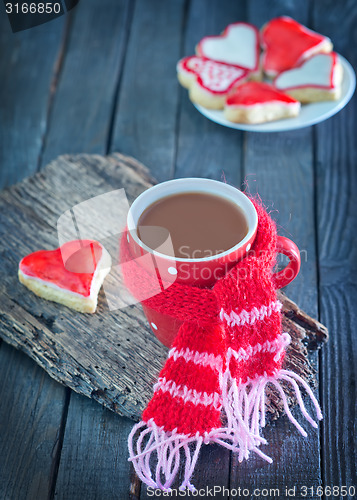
{"points": [[317, 79], [208, 81], [286, 43], [257, 102], [237, 45], [71, 275]]}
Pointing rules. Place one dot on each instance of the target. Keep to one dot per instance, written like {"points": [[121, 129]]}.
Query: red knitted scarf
{"points": [[229, 348]]}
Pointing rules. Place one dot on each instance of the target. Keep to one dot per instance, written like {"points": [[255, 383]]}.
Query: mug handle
{"points": [[289, 273]]}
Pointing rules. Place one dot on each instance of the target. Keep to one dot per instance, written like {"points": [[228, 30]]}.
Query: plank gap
{"points": [[310, 15], [318, 289], [135, 485], [186, 9], [57, 448], [322, 423], [316, 218], [119, 77], [244, 182], [57, 70]]}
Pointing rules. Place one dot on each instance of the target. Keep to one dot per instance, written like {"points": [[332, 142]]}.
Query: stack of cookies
{"points": [[227, 71]]}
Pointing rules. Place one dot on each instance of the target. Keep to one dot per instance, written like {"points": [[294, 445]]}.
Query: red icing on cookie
{"points": [[252, 93], [217, 78], [237, 45], [70, 267], [287, 43]]}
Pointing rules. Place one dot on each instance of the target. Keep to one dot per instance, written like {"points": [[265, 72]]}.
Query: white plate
{"points": [[310, 114]]}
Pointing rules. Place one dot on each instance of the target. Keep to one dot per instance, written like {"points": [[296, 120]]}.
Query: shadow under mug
{"points": [[202, 272]]}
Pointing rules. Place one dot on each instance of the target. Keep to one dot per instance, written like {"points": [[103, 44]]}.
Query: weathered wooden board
{"points": [[111, 356]]}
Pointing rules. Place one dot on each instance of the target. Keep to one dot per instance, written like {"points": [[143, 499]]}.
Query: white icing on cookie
{"points": [[237, 45], [54, 287], [213, 76], [318, 71]]}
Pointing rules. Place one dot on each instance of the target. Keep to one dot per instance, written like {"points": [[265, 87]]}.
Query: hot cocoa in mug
{"points": [[196, 230], [197, 224]]}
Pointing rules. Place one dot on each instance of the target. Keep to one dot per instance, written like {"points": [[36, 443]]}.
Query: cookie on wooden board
{"points": [[70, 275]]}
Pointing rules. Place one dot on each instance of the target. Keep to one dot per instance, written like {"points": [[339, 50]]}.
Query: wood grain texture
{"points": [[28, 56], [336, 186], [89, 440], [83, 103], [284, 181], [146, 110], [30, 418]]}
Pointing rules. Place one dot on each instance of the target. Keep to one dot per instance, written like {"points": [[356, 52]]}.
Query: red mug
{"points": [[202, 272]]}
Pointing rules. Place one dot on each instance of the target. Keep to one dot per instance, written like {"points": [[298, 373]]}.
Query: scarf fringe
{"points": [[158, 453], [245, 409], [168, 448], [244, 406]]}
